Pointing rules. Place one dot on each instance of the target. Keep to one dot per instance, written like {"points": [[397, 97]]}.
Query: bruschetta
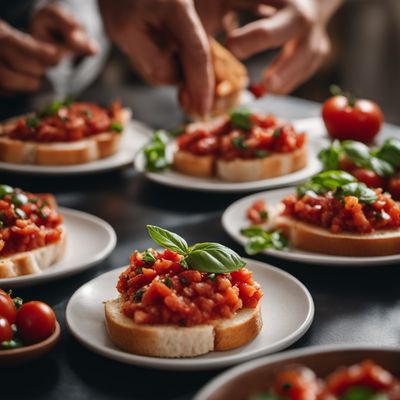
{"points": [[167, 308], [344, 218], [241, 147], [63, 133], [230, 80], [32, 237]]}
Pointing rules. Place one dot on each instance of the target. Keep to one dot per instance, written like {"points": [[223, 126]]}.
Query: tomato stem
{"points": [[338, 91]]}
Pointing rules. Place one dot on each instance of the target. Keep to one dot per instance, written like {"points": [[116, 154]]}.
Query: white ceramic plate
{"points": [[287, 312], [234, 219], [255, 376], [135, 136], [89, 241], [317, 141]]}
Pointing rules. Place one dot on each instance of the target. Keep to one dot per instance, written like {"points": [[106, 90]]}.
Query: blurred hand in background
{"points": [[25, 58], [165, 41], [298, 27], [55, 25]]}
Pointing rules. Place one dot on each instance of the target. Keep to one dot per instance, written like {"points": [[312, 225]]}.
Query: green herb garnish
{"points": [[261, 239], [20, 213], [212, 277], [32, 122], [239, 143], [167, 282], [241, 119], [11, 344], [261, 153], [177, 131], [203, 257], [19, 199], [362, 393], [277, 132], [263, 214], [17, 302], [155, 153], [116, 126], [148, 257], [5, 190], [137, 297]]}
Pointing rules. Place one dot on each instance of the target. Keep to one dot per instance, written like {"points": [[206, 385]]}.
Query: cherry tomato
{"points": [[7, 308], [35, 322], [6, 332], [299, 383], [394, 187], [370, 178], [359, 121]]}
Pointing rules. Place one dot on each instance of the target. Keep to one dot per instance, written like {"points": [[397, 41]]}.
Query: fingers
{"points": [[13, 81], [194, 56], [157, 67], [297, 62], [266, 33], [18, 62], [55, 25]]}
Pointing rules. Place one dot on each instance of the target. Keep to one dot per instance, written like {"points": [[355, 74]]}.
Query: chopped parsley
{"points": [[148, 257], [167, 282], [137, 297], [32, 122], [239, 143], [116, 126]]}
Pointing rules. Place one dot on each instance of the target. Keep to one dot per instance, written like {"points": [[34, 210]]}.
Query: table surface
{"points": [[359, 306]]}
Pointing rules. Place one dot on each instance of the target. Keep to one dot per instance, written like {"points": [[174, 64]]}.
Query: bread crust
{"points": [[315, 239], [241, 170], [33, 261], [83, 151], [191, 164], [176, 342]]}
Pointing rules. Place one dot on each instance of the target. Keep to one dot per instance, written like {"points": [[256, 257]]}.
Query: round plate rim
{"points": [[211, 386], [53, 274], [194, 364], [307, 257]]}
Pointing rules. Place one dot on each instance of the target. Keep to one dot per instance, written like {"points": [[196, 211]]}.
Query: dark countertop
{"points": [[353, 305]]}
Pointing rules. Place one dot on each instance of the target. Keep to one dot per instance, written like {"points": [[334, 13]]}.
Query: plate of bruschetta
{"points": [[189, 307], [320, 372], [242, 151], [70, 137], [40, 241], [331, 219]]}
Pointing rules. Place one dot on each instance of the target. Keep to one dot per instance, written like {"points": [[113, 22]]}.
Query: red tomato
{"points": [[35, 322], [7, 308], [394, 187], [370, 178], [258, 90], [297, 384], [6, 332], [361, 121]]}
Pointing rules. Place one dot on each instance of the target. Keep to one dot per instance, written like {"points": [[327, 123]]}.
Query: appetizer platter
{"points": [[28, 330], [189, 307], [68, 137], [324, 372], [331, 219], [40, 242], [242, 151]]}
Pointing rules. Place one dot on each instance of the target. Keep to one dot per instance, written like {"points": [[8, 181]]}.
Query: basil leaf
{"points": [[310, 188], [278, 240], [357, 152], [381, 167], [241, 119], [168, 240], [213, 257], [362, 393], [390, 152], [155, 153], [32, 122], [330, 157], [332, 179], [4, 190], [361, 191], [116, 126], [253, 230]]}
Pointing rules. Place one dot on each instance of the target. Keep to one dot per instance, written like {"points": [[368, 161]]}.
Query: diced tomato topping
{"points": [[27, 222], [257, 212], [162, 291], [267, 134], [348, 215], [69, 123]]}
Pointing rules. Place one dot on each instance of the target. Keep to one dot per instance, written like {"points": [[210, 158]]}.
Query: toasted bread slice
{"points": [[191, 164], [175, 341], [59, 153], [34, 261], [241, 170], [315, 239], [230, 79]]}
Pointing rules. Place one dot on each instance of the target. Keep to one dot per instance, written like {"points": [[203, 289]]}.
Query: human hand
{"points": [[298, 27], [155, 34], [55, 25], [23, 60]]}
